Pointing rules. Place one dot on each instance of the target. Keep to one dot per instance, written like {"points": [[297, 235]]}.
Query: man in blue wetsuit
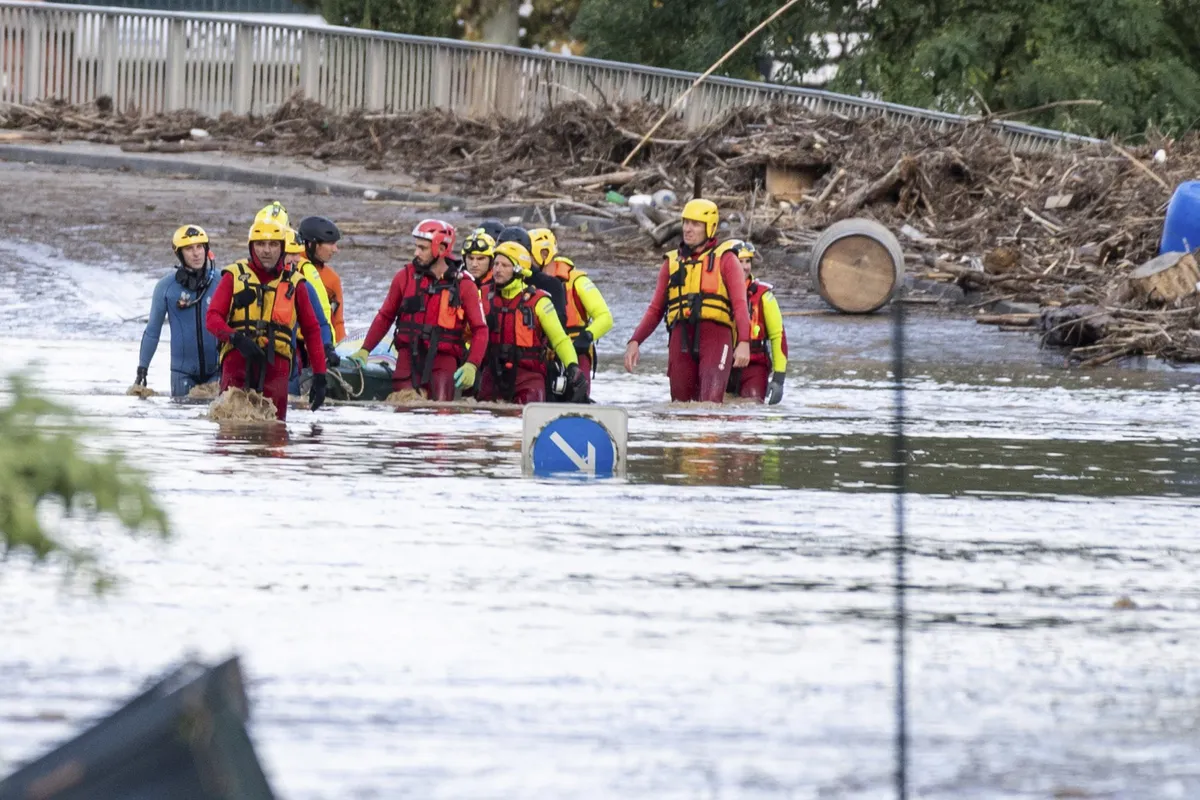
{"points": [[183, 298]]}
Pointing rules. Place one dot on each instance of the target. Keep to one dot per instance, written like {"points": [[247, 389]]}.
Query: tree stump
{"points": [[1161, 280]]}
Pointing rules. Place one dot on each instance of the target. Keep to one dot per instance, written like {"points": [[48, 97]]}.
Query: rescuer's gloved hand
{"points": [[360, 357], [332, 359], [775, 388], [464, 376], [583, 343], [577, 388], [247, 347], [316, 393]]}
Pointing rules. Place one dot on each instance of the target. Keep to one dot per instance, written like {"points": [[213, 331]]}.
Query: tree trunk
{"points": [[504, 24]]}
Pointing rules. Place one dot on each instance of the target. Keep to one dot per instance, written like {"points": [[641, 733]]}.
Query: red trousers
{"points": [[705, 376], [754, 380], [275, 383], [530, 387], [441, 379]]}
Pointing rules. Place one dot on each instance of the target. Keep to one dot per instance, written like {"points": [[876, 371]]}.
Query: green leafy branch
{"points": [[42, 459]]}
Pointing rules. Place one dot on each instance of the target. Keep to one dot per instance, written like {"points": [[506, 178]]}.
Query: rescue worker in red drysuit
{"points": [[478, 251], [523, 328], [761, 379], [703, 316], [254, 314], [435, 306]]}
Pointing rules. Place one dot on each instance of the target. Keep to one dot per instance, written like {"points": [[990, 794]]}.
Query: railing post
{"points": [[176, 64], [373, 83], [108, 58], [693, 112], [441, 79], [243, 69], [35, 58], [310, 64]]}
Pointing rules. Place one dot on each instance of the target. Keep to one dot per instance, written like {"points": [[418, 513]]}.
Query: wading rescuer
{"points": [[255, 312], [320, 237], [763, 377], [478, 250], [704, 317], [588, 317], [441, 334], [293, 258], [183, 298], [537, 279], [523, 328]]}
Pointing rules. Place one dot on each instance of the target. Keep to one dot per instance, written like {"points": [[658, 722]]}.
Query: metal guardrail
{"points": [[163, 61]]}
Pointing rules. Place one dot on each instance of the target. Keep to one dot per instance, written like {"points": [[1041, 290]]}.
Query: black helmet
{"points": [[515, 233], [492, 227], [318, 230]]}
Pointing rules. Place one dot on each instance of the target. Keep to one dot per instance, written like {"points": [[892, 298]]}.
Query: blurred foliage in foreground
{"points": [[42, 459]]}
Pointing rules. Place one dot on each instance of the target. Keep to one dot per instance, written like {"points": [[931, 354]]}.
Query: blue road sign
{"points": [[574, 445]]}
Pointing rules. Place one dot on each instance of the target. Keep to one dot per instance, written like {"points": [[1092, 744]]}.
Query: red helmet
{"points": [[439, 234]]}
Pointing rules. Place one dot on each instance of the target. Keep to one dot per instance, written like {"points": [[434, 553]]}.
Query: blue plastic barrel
{"points": [[1181, 231]]}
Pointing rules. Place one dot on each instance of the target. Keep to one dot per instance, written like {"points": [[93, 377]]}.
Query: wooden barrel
{"points": [[857, 265]]}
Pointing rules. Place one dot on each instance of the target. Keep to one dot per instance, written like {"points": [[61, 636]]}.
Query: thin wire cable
{"points": [[900, 460]]}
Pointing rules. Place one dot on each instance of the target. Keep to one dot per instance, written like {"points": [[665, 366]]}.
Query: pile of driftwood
{"points": [[1065, 227]]}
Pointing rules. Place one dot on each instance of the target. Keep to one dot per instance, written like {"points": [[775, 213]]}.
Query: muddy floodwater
{"points": [[418, 620]]}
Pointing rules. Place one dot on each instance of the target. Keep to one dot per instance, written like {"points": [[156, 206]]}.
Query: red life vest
{"points": [[431, 320], [515, 336], [760, 342]]}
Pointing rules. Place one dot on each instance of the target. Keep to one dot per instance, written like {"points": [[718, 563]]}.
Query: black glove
{"points": [[316, 393], [248, 348], [577, 388], [775, 388], [583, 343], [332, 359], [141, 376]]}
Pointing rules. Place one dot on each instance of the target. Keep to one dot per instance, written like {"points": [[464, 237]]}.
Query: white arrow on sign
{"points": [[586, 465]]}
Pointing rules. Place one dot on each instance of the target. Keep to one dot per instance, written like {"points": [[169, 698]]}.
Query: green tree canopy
{"points": [[1141, 58], [693, 34], [42, 460]]}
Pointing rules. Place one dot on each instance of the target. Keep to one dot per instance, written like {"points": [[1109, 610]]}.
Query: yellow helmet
{"points": [[700, 210], [188, 235], [292, 243], [739, 247], [479, 243], [543, 239], [267, 230], [518, 255], [275, 212]]}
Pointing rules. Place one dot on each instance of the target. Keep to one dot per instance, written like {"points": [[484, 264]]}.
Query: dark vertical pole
{"points": [[900, 459]]}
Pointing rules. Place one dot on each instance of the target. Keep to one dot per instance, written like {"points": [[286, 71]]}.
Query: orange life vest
{"points": [[577, 318], [758, 331], [264, 312], [515, 333]]}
